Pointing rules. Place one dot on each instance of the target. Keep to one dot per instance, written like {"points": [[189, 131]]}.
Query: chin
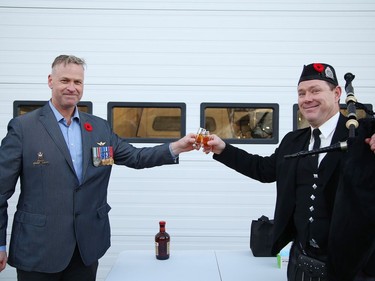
{"points": [[311, 120], [70, 104]]}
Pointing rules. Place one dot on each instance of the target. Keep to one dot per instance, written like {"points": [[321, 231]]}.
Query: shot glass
{"points": [[199, 138], [205, 138]]}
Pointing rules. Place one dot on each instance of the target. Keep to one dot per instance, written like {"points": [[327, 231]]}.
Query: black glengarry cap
{"points": [[319, 71]]}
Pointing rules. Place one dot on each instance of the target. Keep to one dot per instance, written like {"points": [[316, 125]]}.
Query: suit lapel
{"points": [[331, 159], [299, 141], [294, 145], [286, 181], [48, 119], [86, 145]]}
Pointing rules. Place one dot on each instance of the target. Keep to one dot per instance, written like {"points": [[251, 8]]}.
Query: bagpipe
{"points": [[352, 231], [351, 246]]}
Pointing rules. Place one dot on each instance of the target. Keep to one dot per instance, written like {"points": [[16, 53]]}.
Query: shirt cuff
{"points": [[172, 154], [3, 248]]}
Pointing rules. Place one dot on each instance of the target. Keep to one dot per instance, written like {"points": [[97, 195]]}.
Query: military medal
{"points": [[102, 155]]}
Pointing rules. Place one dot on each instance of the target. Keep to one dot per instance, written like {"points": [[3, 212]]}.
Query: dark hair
{"points": [[331, 86]]}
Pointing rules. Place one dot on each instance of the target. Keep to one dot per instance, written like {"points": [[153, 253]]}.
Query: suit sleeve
{"points": [[10, 167], [254, 166], [140, 158]]}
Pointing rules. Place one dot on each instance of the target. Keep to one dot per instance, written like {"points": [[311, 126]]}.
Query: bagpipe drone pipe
{"points": [[352, 232]]}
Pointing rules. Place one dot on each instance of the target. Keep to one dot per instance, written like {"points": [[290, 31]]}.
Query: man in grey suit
{"points": [[63, 158]]}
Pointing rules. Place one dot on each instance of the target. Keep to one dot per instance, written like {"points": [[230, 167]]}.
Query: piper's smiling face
{"points": [[318, 101]]}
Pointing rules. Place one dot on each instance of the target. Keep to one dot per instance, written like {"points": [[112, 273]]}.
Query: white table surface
{"points": [[195, 265], [181, 266], [243, 266]]}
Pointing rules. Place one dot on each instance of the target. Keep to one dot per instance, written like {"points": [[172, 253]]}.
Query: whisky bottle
{"points": [[162, 239]]}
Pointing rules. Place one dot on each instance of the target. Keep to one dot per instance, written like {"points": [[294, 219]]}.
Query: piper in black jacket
{"points": [[305, 191]]}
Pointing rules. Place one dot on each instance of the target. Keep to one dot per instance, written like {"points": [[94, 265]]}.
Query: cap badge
{"points": [[329, 73]]}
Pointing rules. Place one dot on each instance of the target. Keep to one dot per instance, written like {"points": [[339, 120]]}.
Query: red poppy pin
{"points": [[318, 67], [88, 127]]}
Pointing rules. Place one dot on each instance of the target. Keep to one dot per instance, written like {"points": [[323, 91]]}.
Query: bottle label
{"points": [[160, 250]]}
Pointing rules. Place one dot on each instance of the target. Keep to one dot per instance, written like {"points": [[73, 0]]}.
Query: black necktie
{"points": [[316, 133]]}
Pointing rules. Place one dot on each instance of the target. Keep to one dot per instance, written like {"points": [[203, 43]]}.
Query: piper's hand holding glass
{"points": [[205, 139]]}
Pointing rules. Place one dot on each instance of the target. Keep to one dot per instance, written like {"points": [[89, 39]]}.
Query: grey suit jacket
{"points": [[54, 211]]}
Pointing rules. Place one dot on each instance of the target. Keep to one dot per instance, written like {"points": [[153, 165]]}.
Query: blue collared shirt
{"points": [[73, 138]]}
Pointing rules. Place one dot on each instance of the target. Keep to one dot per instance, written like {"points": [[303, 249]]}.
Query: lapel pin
{"points": [[40, 160]]}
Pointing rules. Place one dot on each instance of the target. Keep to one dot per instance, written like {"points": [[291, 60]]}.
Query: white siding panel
{"points": [[238, 5], [191, 52], [214, 48]]}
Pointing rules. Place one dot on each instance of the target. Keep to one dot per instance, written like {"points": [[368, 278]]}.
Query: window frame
{"points": [[275, 120], [18, 103], [180, 105]]}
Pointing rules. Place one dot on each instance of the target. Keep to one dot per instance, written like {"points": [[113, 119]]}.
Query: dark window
{"points": [[242, 123], [148, 122], [23, 106]]}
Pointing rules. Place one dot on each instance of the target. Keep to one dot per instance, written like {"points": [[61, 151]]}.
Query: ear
{"points": [[50, 81], [338, 92]]}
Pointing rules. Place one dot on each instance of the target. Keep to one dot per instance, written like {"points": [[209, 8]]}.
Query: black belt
{"points": [[317, 253]]}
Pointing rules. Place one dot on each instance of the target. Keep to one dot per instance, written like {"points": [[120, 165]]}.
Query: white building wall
{"points": [[192, 52]]}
